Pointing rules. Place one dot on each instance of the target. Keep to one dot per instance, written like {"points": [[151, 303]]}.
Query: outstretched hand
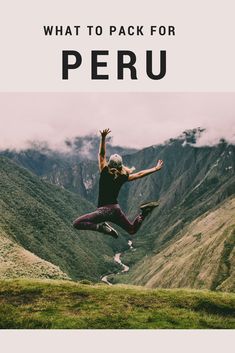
{"points": [[105, 132], [159, 164]]}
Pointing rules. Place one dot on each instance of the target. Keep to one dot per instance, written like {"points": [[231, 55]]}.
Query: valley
{"points": [[42, 191]]}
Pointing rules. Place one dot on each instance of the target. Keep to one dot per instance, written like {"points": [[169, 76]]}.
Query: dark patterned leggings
{"points": [[111, 213]]}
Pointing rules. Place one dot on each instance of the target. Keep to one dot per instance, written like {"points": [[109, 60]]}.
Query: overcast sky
{"points": [[136, 119]]}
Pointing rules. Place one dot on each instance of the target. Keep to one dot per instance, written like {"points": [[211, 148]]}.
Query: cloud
{"points": [[136, 119], [215, 132]]}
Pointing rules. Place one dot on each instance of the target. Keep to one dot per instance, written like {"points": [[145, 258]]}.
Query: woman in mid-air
{"points": [[113, 174]]}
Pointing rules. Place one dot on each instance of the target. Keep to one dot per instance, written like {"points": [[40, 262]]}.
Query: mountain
{"points": [[86, 147], [74, 168], [194, 181], [38, 216], [201, 255], [17, 262]]}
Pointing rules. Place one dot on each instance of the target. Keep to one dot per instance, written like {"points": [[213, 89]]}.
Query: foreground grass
{"points": [[37, 304]]}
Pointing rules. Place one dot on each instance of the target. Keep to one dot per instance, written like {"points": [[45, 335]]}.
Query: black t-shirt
{"points": [[109, 187]]}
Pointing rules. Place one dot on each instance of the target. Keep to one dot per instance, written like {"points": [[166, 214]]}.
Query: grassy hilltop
{"points": [[55, 304]]}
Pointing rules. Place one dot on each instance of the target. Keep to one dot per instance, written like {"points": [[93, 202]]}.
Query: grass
{"points": [[53, 304]]}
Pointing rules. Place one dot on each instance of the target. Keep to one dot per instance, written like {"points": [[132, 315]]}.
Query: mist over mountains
{"points": [[195, 182], [77, 148], [86, 147]]}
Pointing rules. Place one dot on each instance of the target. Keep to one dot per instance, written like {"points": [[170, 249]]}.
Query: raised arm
{"points": [[102, 150], [145, 172]]}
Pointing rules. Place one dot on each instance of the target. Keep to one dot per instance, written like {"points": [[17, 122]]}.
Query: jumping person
{"points": [[112, 176]]}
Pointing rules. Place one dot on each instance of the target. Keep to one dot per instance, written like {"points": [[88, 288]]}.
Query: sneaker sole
{"points": [[149, 204], [114, 233]]}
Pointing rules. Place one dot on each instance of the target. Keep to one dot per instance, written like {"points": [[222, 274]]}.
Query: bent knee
{"points": [[131, 231], [76, 223]]}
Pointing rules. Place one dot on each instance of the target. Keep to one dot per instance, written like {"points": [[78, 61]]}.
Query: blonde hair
{"points": [[123, 171]]}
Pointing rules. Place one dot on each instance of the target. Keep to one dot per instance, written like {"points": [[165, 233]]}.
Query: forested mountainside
{"points": [[38, 216], [195, 181]]}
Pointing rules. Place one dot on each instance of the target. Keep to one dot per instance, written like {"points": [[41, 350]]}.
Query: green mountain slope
{"points": [[201, 255], [17, 262], [194, 181], [38, 216], [54, 304], [74, 169], [61, 169]]}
